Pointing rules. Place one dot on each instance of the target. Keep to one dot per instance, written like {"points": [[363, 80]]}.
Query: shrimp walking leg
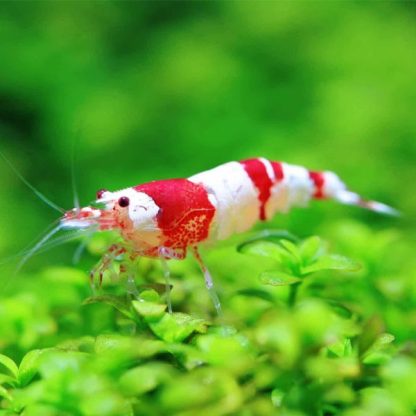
{"points": [[127, 269], [164, 254], [113, 252], [166, 274], [209, 283]]}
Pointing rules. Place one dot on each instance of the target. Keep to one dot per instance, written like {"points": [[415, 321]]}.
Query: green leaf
{"points": [[342, 348], [6, 379], [277, 397], [149, 310], [230, 352], [261, 248], [151, 295], [331, 262], [145, 378], [149, 291], [256, 293], [385, 339], [377, 353], [348, 350], [119, 302], [338, 393], [30, 365], [9, 364], [292, 249], [282, 250], [111, 342], [339, 308], [275, 236], [5, 394], [309, 249], [371, 331], [176, 327], [187, 355], [277, 278], [376, 358], [83, 344]]}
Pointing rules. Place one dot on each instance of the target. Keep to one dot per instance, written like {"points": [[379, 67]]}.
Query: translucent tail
{"points": [[351, 198]]}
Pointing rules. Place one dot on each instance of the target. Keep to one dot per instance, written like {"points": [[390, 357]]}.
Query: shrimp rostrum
{"points": [[166, 218]]}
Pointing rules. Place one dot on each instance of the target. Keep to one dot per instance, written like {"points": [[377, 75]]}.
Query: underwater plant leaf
{"points": [[278, 278]]}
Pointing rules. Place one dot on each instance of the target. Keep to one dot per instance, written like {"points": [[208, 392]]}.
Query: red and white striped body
{"points": [[248, 191], [176, 214], [165, 218]]}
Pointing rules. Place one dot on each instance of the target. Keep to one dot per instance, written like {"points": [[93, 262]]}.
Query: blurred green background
{"points": [[151, 90]]}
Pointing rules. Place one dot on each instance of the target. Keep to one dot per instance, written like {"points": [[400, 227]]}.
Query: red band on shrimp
{"points": [[319, 181], [278, 171], [257, 172], [185, 212]]}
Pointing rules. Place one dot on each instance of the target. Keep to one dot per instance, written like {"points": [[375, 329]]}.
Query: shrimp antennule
{"points": [[46, 200], [38, 246]]}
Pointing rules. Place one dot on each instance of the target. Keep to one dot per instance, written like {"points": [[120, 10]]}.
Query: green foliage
{"points": [[301, 336]]}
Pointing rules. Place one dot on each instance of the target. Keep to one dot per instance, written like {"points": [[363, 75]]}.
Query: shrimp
{"points": [[166, 218]]}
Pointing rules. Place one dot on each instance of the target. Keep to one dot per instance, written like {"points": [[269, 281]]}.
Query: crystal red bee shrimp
{"points": [[165, 218]]}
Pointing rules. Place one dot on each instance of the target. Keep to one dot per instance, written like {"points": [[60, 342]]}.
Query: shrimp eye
{"points": [[100, 193], [124, 201]]}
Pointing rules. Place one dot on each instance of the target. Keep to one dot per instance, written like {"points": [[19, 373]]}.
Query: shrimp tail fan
{"points": [[351, 198]]}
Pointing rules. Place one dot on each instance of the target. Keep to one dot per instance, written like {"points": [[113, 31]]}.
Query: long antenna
{"points": [[73, 175], [37, 246], [30, 186]]}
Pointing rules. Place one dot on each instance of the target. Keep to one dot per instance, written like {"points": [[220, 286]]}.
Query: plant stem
{"points": [[293, 294]]}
